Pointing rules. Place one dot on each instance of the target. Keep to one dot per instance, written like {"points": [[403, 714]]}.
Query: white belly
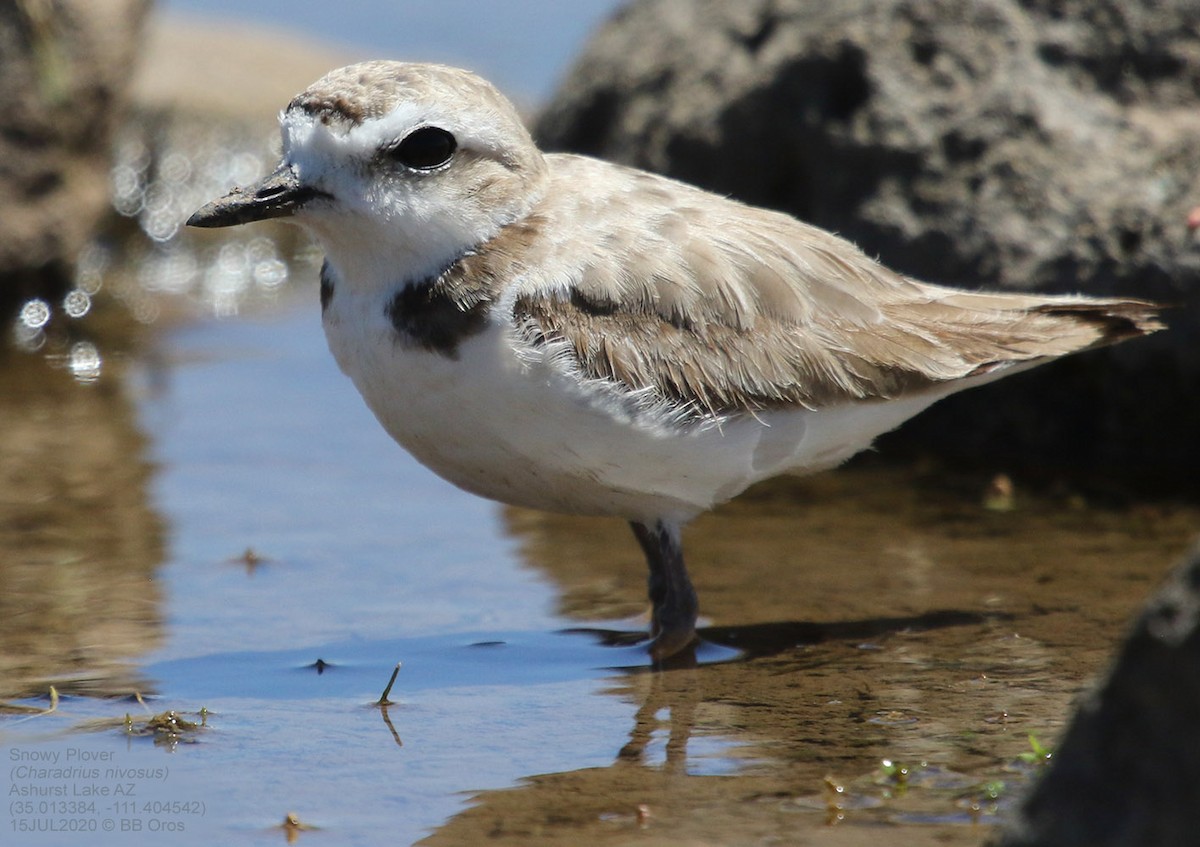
{"points": [[522, 430]]}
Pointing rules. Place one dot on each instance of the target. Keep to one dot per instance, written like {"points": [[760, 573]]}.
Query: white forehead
{"points": [[354, 111]]}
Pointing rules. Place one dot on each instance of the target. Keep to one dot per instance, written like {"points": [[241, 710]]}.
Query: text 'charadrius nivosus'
{"points": [[566, 334]]}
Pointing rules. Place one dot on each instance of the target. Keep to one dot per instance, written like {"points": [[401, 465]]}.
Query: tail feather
{"points": [[981, 333], [1114, 320]]}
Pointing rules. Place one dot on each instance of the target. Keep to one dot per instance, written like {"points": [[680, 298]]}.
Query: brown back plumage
{"points": [[721, 307], [716, 368]]}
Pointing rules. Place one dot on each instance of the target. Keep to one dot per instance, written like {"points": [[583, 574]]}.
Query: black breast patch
{"points": [[326, 285], [437, 316]]}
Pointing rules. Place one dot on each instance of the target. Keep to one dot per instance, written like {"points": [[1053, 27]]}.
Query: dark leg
{"points": [[673, 624]]}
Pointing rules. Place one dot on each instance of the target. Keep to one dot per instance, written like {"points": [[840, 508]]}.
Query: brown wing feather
{"points": [[723, 307]]}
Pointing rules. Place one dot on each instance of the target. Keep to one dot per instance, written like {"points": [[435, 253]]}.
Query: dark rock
{"points": [[64, 69], [1127, 772], [1036, 145]]}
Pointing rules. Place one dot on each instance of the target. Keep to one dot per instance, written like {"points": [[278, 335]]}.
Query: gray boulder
{"points": [[64, 69], [1032, 145]]}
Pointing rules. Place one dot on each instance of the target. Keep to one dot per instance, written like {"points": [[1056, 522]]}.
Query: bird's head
{"points": [[396, 168]]}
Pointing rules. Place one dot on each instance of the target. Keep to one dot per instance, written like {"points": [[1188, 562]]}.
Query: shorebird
{"points": [[563, 333]]}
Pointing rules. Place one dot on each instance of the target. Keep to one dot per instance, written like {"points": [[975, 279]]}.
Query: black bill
{"points": [[278, 195]]}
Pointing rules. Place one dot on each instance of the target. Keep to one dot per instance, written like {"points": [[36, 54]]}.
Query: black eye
{"points": [[425, 149]]}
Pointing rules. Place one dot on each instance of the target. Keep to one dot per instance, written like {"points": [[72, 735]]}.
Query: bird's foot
{"points": [[673, 620], [669, 641]]}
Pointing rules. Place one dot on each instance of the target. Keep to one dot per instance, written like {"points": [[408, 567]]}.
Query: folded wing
{"points": [[720, 307]]}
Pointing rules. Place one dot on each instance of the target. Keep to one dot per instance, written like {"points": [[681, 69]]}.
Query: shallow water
{"points": [[218, 526]]}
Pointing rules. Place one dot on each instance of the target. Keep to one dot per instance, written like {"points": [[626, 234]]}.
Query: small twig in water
{"points": [[383, 698], [31, 713]]}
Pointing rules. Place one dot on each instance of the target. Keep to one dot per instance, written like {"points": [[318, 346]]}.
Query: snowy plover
{"points": [[567, 334]]}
